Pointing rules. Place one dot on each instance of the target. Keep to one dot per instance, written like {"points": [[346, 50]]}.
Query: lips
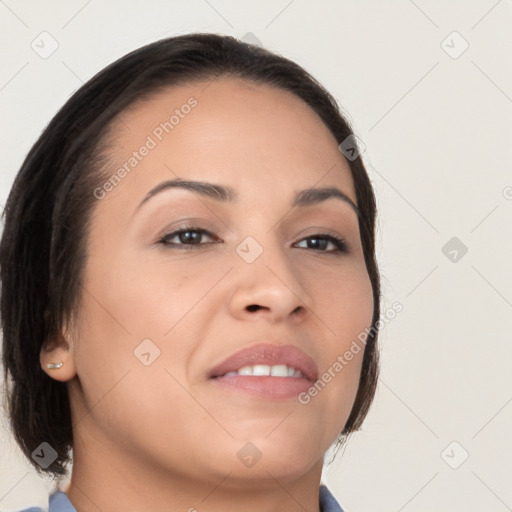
{"points": [[270, 355], [268, 386]]}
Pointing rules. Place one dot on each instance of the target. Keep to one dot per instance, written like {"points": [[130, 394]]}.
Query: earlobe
{"points": [[57, 361]]}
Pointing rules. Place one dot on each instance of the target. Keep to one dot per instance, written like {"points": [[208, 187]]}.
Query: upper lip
{"points": [[271, 355]]}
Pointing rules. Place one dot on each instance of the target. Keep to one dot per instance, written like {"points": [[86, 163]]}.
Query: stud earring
{"points": [[53, 366]]}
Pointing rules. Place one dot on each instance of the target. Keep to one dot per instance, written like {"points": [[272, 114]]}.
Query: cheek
{"points": [[150, 296], [345, 310], [344, 303], [351, 320]]}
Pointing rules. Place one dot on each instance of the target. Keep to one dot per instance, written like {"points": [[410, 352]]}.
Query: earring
{"points": [[52, 366]]}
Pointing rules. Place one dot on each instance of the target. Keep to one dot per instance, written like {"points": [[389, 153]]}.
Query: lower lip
{"points": [[265, 387]]}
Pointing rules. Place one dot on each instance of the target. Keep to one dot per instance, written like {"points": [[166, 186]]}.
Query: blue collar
{"points": [[328, 502]]}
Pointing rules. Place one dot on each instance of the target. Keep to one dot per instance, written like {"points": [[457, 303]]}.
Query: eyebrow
{"points": [[223, 193]]}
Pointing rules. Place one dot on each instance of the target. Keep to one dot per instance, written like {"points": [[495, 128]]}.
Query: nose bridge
{"points": [[266, 255], [267, 277]]}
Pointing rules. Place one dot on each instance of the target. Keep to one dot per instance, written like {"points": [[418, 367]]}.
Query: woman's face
{"points": [[161, 312]]}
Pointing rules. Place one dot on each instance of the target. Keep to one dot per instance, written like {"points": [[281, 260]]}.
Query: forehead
{"points": [[255, 137]]}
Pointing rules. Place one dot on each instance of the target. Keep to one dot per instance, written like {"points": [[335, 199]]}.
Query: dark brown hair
{"points": [[43, 246]]}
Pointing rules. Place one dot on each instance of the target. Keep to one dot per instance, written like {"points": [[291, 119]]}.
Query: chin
{"points": [[285, 457]]}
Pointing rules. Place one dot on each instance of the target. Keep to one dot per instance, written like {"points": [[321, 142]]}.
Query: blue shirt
{"points": [[59, 502]]}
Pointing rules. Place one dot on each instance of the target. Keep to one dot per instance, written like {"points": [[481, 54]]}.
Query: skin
{"points": [[162, 437]]}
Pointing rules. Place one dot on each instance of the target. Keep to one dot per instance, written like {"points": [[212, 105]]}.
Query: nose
{"points": [[269, 288]]}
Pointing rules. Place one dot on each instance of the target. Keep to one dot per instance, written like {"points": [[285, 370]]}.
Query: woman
{"points": [[187, 261]]}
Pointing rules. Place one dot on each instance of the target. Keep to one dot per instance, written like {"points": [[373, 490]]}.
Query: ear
{"points": [[54, 351]]}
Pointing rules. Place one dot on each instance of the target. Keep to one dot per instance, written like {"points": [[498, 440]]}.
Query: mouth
{"points": [[267, 371]]}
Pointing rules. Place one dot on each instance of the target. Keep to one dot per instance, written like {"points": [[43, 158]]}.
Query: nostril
{"points": [[253, 307]]}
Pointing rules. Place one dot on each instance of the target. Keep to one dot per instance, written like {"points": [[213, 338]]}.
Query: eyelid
{"points": [[191, 223], [319, 230]]}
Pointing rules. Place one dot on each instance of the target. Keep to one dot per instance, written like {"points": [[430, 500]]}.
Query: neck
{"points": [[105, 479]]}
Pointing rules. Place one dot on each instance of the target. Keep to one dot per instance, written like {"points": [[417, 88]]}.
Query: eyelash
{"points": [[339, 243]]}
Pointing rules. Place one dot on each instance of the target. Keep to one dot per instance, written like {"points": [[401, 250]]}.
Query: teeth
{"points": [[262, 370], [246, 370], [279, 370]]}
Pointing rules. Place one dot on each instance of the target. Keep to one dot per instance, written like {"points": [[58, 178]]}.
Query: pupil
{"points": [[190, 236], [318, 243]]}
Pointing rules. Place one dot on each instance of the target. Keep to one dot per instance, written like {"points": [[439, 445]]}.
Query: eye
{"points": [[186, 236], [320, 242]]}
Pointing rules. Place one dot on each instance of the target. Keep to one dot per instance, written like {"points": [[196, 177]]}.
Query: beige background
{"points": [[437, 134]]}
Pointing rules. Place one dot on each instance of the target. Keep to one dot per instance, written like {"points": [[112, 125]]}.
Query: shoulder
{"points": [[57, 502], [328, 502]]}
